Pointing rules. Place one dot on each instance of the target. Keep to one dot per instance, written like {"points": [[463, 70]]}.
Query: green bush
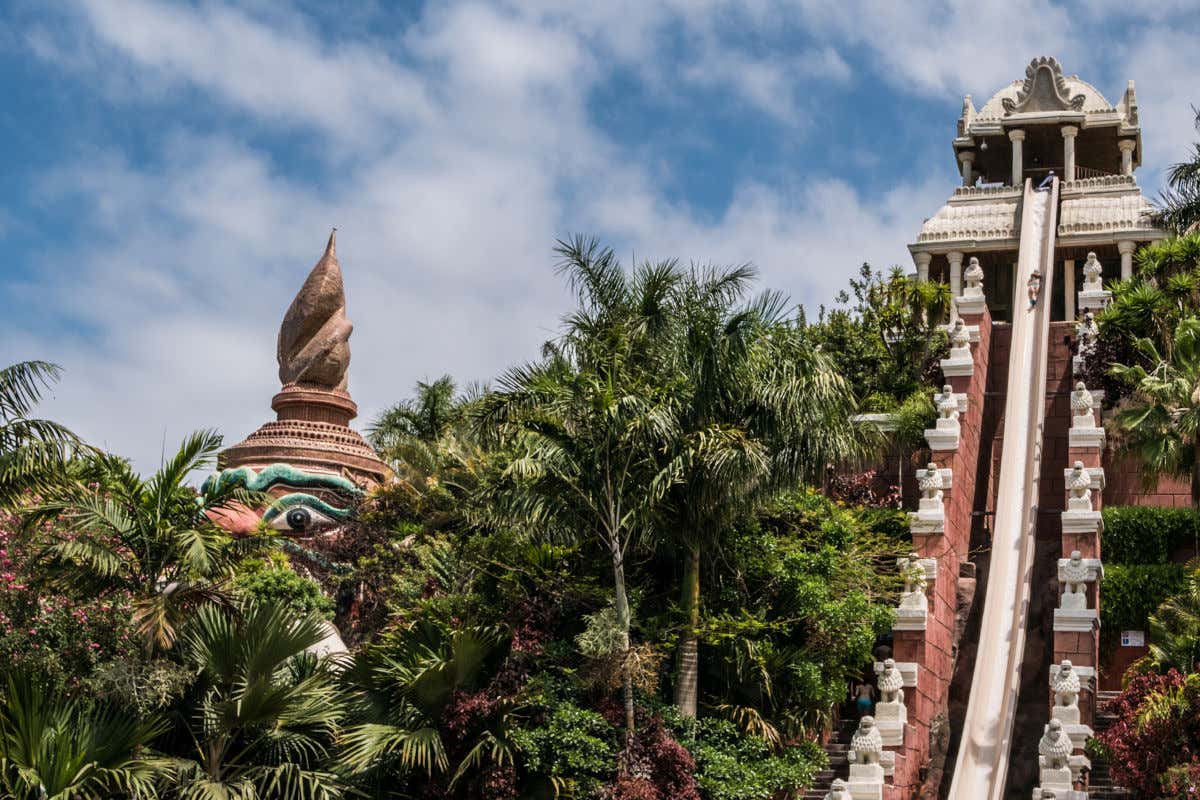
{"points": [[280, 583], [574, 746], [1132, 592], [1146, 534], [733, 766]]}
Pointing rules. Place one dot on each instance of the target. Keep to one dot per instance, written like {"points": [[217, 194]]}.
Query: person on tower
{"points": [[1034, 286], [1046, 183]]}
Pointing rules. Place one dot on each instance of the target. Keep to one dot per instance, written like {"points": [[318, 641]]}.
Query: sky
{"points": [[171, 171]]}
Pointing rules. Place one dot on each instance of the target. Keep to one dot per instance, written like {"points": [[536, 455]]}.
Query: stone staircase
{"points": [[1100, 782], [836, 749]]}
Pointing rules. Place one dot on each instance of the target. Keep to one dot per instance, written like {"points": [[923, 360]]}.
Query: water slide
{"points": [[981, 768]]}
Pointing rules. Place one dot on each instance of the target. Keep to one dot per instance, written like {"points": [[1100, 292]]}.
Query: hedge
{"points": [[1132, 592], [1146, 534]]}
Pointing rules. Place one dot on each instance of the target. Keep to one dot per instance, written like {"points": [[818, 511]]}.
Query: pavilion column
{"points": [[1068, 134], [1125, 247], [922, 260], [967, 159], [1069, 288], [1126, 146], [1018, 157], [956, 258]]}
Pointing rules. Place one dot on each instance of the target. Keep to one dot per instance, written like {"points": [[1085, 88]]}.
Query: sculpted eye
{"points": [[301, 519]]}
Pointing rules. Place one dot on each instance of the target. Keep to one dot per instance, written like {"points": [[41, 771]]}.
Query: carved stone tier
{"points": [[930, 516], [1075, 574], [313, 409], [960, 362], [311, 432]]}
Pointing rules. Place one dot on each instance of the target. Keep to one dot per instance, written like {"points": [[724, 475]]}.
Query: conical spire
{"points": [[314, 339]]}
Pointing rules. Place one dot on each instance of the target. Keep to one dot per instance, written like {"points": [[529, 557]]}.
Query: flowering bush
{"points": [[49, 634], [1156, 738]]}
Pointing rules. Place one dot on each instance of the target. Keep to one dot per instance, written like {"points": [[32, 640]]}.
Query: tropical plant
{"points": [[151, 537], [1180, 201], [56, 748], [763, 410], [32, 451], [592, 419], [1161, 421], [1174, 629], [264, 713], [407, 692]]}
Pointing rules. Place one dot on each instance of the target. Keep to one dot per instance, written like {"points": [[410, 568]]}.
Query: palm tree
{"points": [[1160, 423], [54, 748], [32, 450], [400, 689], [150, 537], [1180, 201], [593, 417], [266, 713], [1175, 629], [763, 411]]}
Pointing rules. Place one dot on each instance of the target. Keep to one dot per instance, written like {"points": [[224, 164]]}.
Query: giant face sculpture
{"points": [[307, 503]]}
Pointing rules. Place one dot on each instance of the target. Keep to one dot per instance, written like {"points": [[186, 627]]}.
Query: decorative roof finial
{"points": [[314, 339]]}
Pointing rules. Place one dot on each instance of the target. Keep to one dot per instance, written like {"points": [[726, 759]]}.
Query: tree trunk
{"points": [[687, 680], [621, 606]]}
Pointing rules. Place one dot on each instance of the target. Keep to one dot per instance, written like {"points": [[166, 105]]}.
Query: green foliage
{"points": [[1146, 534], [277, 583], [574, 746], [33, 452], [733, 766], [54, 748], [1132, 592], [915, 415], [1175, 627], [885, 336], [1180, 202]]}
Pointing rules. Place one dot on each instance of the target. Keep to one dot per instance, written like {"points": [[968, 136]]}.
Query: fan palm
{"points": [[32, 451], [592, 419], [266, 713], [1175, 629], [401, 688], [763, 411], [1160, 423], [53, 748], [150, 537]]}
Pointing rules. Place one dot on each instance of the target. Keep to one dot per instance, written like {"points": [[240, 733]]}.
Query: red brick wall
{"points": [[933, 648]]}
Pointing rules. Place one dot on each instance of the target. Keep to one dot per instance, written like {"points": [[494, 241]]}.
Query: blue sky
{"points": [[171, 170]]}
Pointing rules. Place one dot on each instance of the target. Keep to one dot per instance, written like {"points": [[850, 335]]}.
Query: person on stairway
{"points": [[864, 698], [1046, 183], [1034, 287]]}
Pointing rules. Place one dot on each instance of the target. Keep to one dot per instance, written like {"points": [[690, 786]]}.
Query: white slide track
{"points": [[981, 768]]}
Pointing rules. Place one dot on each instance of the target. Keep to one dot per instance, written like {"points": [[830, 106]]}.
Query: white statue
{"points": [[948, 407], [974, 278], [1064, 682], [1082, 407], [1055, 746], [866, 744], [1079, 484], [1074, 575], [1092, 271], [912, 572], [891, 682], [1087, 332], [838, 790], [931, 483], [960, 338]]}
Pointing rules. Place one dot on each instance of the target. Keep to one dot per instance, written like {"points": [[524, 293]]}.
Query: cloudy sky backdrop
{"points": [[170, 171]]}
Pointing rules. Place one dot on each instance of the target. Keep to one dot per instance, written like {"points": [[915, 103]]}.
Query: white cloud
{"points": [[452, 157]]}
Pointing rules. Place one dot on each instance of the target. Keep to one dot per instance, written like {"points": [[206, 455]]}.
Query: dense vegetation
{"points": [[608, 575]]}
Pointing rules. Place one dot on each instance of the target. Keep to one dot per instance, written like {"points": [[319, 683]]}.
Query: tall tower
{"points": [[312, 432], [1047, 121]]}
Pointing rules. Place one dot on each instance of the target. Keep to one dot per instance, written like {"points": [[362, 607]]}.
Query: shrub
{"points": [[1132, 592], [574, 745], [276, 583], [1146, 534], [733, 766], [1157, 730]]}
